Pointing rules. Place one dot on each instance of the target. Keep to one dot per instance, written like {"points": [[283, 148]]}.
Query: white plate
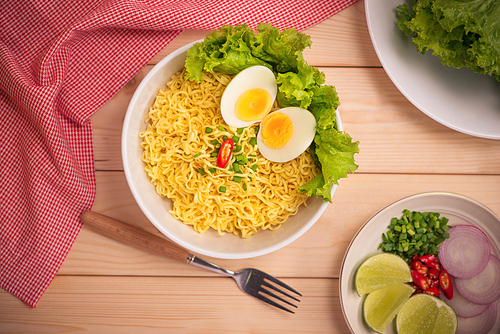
{"points": [[457, 98], [457, 208]]}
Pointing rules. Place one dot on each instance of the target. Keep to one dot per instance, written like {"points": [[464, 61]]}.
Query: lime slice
{"points": [[381, 306], [379, 271], [426, 314]]}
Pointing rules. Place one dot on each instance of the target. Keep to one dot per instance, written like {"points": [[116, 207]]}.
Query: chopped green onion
{"points": [[237, 178], [415, 233], [214, 141], [236, 139], [256, 129], [212, 170], [236, 167], [253, 141], [241, 158], [209, 130], [197, 155], [222, 189], [252, 156], [244, 186], [254, 167], [202, 171], [224, 138], [214, 154], [222, 128], [240, 131], [237, 148]]}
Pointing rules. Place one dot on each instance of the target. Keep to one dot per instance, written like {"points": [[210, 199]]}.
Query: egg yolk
{"points": [[276, 130], [253, 105]]}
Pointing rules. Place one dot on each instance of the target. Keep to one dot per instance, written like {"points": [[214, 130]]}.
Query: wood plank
{"points": [[173, 305], [341, 40], [318, 253], [394, 136]]}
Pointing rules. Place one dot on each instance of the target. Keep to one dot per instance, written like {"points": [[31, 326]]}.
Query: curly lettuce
{"points": [[231, 49], [461, 33]]}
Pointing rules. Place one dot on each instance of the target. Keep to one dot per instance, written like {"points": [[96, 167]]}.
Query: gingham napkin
{"points": [[59, 62]]}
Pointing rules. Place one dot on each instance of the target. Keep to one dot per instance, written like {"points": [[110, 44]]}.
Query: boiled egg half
{"points": [[286, 133], [248, 98]]}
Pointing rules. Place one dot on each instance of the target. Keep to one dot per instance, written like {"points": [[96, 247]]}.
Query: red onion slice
{"points": [[466, 252], [481, 324], [483, 288], [462, 307]]}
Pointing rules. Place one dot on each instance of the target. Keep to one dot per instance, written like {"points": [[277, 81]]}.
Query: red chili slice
{"points": [[433, 273], [416, 265], [427, 258], [434, 265], [445, 284], [225, 152], [420, 280], [433, 291]]}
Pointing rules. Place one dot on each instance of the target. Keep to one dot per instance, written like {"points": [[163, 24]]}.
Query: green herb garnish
{"points": [[415, 233]]}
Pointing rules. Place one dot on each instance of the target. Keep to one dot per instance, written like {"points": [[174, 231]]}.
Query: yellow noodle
{"points": [[175, 132]]}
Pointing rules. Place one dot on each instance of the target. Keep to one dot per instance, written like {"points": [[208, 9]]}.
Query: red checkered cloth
{"points": [[59, 62]]}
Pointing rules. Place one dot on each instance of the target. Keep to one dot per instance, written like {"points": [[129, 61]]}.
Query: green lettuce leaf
{"points": [[461, 33], [335, 151]]}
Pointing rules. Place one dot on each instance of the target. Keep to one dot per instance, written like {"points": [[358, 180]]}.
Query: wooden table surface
{"points": [[105, 286]]}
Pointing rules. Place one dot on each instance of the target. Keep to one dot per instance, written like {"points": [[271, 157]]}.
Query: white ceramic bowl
{"points": [[156, 208], [460, 99]]}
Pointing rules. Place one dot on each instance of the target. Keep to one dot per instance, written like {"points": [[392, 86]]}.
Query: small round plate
{"points": [[457, 208]]}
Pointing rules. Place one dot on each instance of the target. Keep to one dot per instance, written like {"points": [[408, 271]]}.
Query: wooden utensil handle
{"points": [[134, 236]]}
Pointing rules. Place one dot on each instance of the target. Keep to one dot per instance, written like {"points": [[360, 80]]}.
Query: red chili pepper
{"points": [[423, 270], [420, 280], [427, 258], [435, 265], [416, 265], [433, 291], [415, 257], [435, 283], [445, 284], [225, 152], [433, 273]]}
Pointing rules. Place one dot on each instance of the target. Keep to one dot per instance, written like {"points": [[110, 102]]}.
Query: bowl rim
{"points": [[141, 203]]}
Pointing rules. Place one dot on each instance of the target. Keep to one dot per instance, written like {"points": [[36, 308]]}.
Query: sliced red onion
{"points": [[462, 307], [481, 324], [466, 252], [483, 288]]}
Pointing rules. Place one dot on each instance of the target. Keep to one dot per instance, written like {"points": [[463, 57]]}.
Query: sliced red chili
{"points": [[420, 280], [433, 273], [427, 258], [445, 284], [225, 153], [435, 265], [416, 265], [423, 270], [415, 258], [433, 291]]}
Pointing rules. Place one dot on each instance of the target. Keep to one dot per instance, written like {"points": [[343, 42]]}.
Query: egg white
{"points": [[304, 129], [252, 77]]}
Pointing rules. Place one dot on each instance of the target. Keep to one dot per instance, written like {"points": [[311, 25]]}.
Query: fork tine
{"points": [[277, 281], [269, 301], [280, 291], [270, 293]]}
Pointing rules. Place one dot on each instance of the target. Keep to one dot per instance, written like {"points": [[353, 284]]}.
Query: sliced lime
{"points": [[379, 271], [426, 314], [381, 306]]}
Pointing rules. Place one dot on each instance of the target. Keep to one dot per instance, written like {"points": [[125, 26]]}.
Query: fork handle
{"points": [[134, 236]]}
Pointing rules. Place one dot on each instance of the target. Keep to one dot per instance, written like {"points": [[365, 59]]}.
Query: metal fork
{"points": [[254, 282]]}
